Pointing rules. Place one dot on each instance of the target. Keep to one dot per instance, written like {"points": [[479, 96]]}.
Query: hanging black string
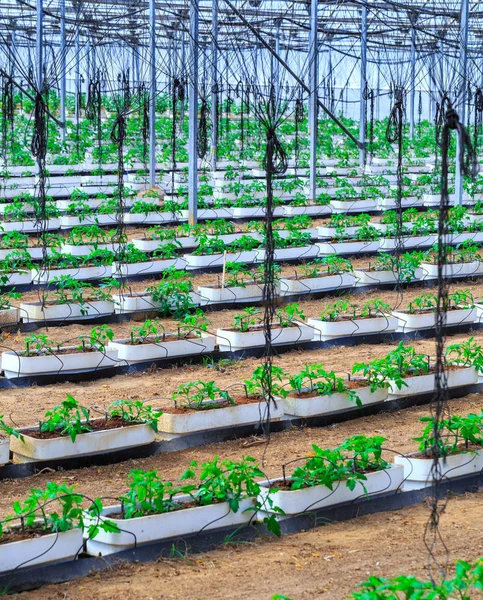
{"points": [[247, 112], [239, 94], [371, 126], [38, 148], [215, 91], [478, 99], [202, 134], [93, 97], [227, 109], [394, 133], [299, 117], [469, 97], [145, 121], [420, 110], [275, 163], [439, 405], [438, 121], [8, 113], [126, 90], [118, 136], [367, 95], [93, 111], [177, 93]]}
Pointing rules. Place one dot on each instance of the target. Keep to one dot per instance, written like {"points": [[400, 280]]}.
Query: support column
{"points": [[461, 109], [13, 51], [413, 79], [431, 71], [330, 81], [214, 83], [152, 92], [276, 66], [40, 45], [77, 70], [378, 97], [193, 115], [87, 68], [313, 106], [362, 116], [63, 66], [183, 75]]}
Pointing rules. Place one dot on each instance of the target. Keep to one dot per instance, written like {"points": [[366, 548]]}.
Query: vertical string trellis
{"points": [[439, 405], [177, 95], [394, 134], [94, 111], [8, 114], [275, 163]]}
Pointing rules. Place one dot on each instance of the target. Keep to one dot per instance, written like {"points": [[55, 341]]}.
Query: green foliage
{"points": [[466, 584], [254, 385], [347, 463], [313, 378], [201, 395], [68, 419]]}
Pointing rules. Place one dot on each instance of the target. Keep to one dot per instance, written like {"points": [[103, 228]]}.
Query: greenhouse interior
{"points": [[258, 225]]}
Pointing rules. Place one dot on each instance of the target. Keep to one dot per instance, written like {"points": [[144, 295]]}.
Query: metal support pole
{"points": [[77, 70], [362, 117], [276, 66], [40, 44], [413, 83], [182, 75], [431, 71], [214, 83], [313, 107], [193, 115], [152, 92], [87, 69], [329, 79], [463, 60], [13, 42], [63, 66], [378, 97]]}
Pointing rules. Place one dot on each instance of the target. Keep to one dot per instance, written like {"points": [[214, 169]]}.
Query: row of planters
{"points": [[58, 523], [67, 297], [69, 429], [124, 260], [343, 318], [91, 253], [50, 525], [150, 341], [23, 215], [99, 350], [418, 230]]}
